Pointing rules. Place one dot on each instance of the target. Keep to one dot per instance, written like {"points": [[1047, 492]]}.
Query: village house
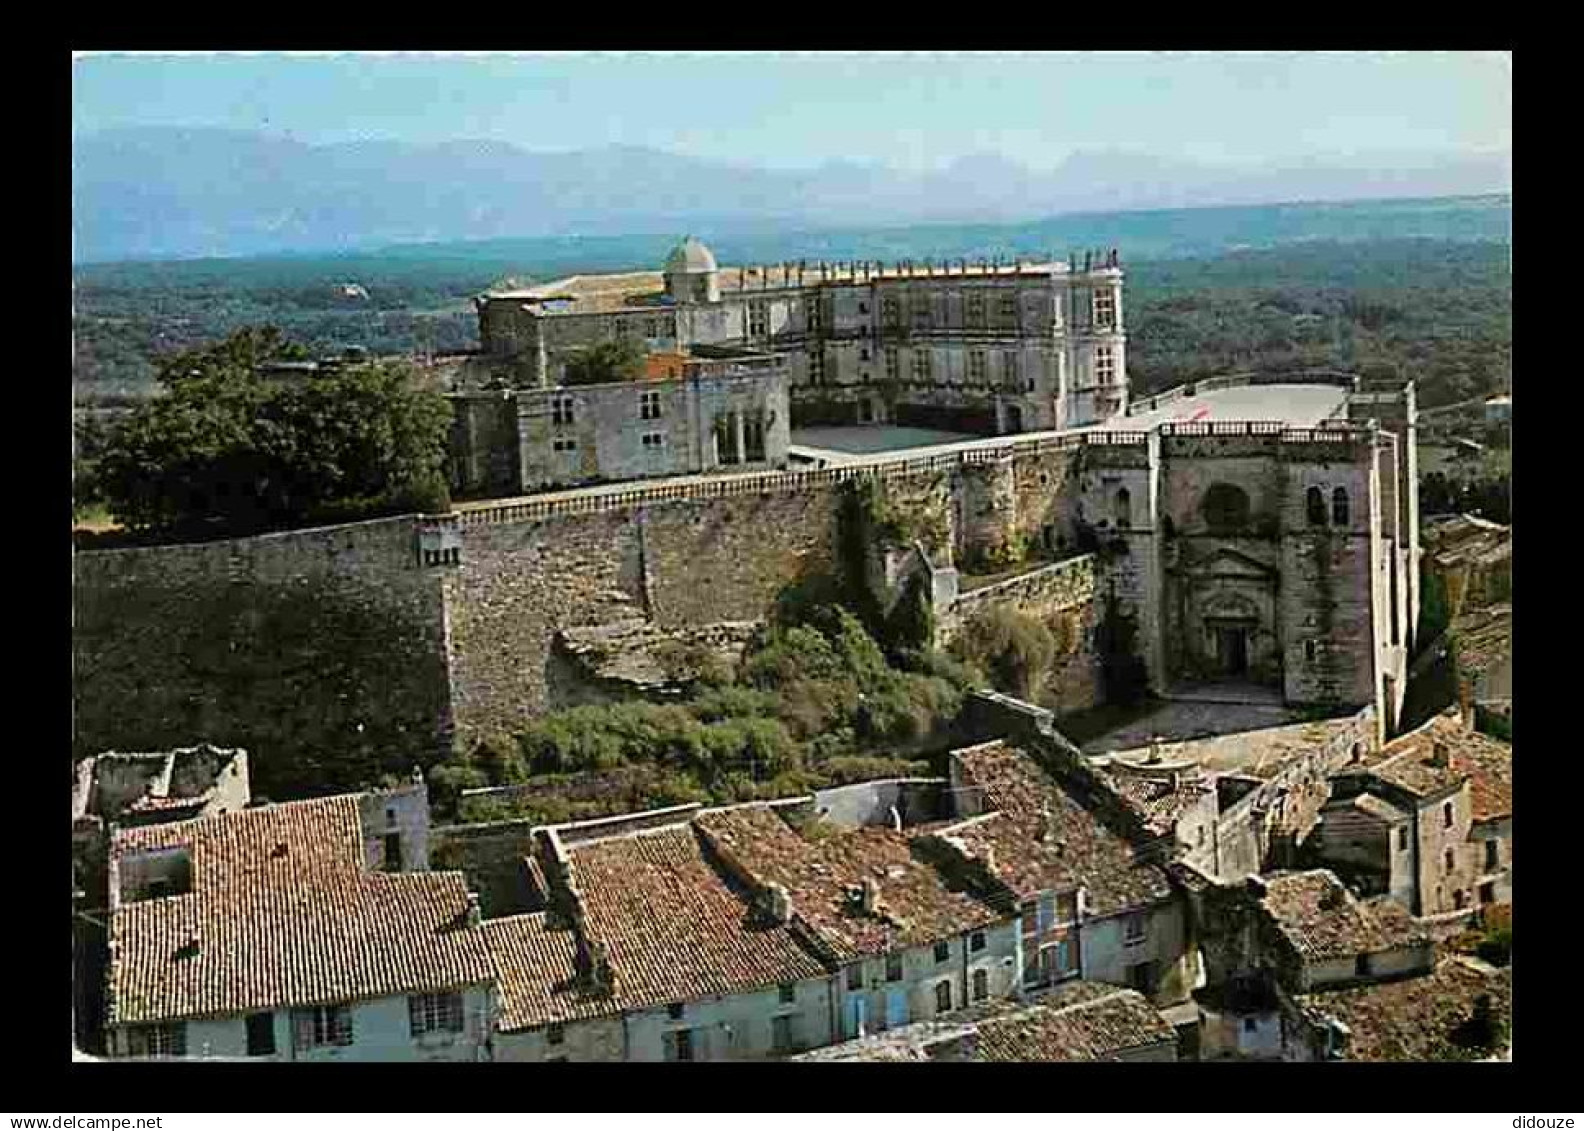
{"points": [[309, 930], [1427, 821], [1462, 1010], [1269, 938], [649, 951], [907, 941], [1092, 905], [1078, 1021]]}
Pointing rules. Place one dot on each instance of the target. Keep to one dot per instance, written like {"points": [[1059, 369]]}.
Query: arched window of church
{"points": [[1124, 508], [1339, 507], [1316, 507], [1226, 508]]}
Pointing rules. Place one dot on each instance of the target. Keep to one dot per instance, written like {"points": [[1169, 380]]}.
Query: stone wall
{"points": [[319, 651], [1063, 597]]}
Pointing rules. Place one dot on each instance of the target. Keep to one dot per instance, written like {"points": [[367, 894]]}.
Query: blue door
{"points": [[853, 1017], [896, 1008]]}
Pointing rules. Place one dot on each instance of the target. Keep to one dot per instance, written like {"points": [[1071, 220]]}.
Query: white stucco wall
{"points": [[381, 1031]]}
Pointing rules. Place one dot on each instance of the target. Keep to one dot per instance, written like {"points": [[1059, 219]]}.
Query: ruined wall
{"points": [[318, 651], [1063, 597], [484, 443], [491, 856]]}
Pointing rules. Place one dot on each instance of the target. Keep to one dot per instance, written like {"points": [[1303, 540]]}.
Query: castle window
{"points": [[943, 996], [726, 440], [759, 317], [754, 438], [891, 310], [1124, 508], [1105, 365], [1451, 861], [975, 311], [1339, 507], [921, 364], [1226, 508], [1310, 650], [816, 367], [976, 367], [1315, 507], [1009, 307], [1104, 310], [563, 444], [893, 963], [976, 941], [653, 440], [1009, 370], [1446, 814], [855, 976], [561, 411], [921, 312], [649, 406], [981, 985], [1402, 839], [942, 951], [893, 366], [1492, 854]]}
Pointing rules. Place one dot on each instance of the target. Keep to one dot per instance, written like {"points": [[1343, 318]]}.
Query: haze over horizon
{"points": [[182, 155]]}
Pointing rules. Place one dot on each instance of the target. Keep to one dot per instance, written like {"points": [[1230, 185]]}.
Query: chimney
{"points": [[1439, 756], [869, 901], [780, 903], [1466, 703]]}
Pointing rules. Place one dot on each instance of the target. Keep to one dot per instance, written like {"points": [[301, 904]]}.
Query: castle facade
{"points": [[990, 348]]}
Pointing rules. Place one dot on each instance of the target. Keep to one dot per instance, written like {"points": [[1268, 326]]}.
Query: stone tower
{"points": [[691, 273]]}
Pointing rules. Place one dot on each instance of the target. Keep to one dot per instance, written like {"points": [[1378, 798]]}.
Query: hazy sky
{"points": [[912, 110]]}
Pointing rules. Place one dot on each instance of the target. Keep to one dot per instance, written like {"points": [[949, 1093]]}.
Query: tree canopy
{"points": [[604, 363], [228, 449]]}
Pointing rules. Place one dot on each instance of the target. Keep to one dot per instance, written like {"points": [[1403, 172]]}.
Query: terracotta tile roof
{"points": [[535, 973], [673, 928], [1416, 1018], [283, 913], [1321, 919], [1098, 1028], [917, 905], [1488, 763], [1159, 801], [1408, 762], [1045, 840]]}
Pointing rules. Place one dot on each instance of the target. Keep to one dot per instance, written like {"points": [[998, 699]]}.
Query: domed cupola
{"points": [[691, 274]]}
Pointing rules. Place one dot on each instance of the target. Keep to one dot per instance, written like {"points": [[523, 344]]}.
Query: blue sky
{"points": [[786, 110]]}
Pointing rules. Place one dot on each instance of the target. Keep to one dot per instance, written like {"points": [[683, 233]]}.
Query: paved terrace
{"points": [[1298, 406], [1258, 753]]}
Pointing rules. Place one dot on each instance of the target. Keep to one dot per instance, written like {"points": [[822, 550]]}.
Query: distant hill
{"points": [[160, 193]]}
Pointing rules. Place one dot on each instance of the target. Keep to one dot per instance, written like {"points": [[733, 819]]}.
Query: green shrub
{"points": [[718, 703], [1014, 648], [1496, 947], [790, 655], [856, 768]]}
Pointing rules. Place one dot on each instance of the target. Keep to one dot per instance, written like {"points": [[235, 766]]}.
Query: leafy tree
{"points": [[231, 451], [605, 363]]}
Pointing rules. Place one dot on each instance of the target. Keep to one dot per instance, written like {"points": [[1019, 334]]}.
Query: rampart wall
{"points": [[318, 651]]}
